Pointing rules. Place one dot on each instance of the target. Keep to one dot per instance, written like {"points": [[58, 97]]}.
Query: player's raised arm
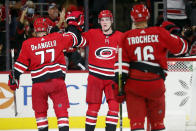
{"points": [[175, 44], [75, 21], [182, 46]]}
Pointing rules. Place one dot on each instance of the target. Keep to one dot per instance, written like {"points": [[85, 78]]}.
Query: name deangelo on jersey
{"points": [[143, 39], [43, 45]]}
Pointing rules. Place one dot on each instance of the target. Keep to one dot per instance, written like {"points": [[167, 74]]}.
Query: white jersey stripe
{"points": [[48, 66], [81, 44], [17, 63], [101, 73], [46, 73], [84, 43], [184, 48], [18, 70], [102, 69], [74, 38], [64, 72]]}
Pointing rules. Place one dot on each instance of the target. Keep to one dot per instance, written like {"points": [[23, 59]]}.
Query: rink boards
{"points": [[178, 101]]}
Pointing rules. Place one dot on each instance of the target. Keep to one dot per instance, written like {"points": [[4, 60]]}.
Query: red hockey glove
{"points": [[75, 18], [120, 97], [13, 84]]}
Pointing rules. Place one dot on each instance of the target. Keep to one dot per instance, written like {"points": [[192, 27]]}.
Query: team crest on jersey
{"points": [[105, 53]]}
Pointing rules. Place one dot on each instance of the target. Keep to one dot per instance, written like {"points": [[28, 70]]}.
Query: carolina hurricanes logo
{"points": [[105, 53], [6, 96]]}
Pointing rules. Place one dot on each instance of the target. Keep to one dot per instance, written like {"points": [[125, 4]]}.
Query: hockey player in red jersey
{"points": [[102, 49], [144, 62], [43, 56]]}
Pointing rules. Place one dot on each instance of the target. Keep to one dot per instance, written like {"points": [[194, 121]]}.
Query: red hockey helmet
{"points": [[139, 13], [40, 25], [105, 13]]}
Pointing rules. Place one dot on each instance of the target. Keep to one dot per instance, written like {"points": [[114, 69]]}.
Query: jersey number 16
{"points": [[146, 52]]}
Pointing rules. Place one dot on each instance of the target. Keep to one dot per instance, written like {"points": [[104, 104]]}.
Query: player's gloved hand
{"points": [[119, 96], [13, 84], [76, 18], [171, 27], [123, 79]]}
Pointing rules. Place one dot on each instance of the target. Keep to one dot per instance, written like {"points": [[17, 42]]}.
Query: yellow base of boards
{"points": [[30, 123]]}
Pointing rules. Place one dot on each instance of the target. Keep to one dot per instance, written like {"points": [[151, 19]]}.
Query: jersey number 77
{"points": [[42, 53]]}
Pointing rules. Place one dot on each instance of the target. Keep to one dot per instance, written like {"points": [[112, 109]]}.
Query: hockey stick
{"points": [[120, 83], [165, 10], [14, 82], [148, 125]]}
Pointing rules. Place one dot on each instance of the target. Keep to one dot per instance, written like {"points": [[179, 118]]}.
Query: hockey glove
{"points": [[13, 84], [171, 27], [123, 79], [76, 18], [119, 96]]}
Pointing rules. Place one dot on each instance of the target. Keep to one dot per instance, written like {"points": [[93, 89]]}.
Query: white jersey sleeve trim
{"points": [[17, 63], [74, 38], [184, 48], [21, 71]]}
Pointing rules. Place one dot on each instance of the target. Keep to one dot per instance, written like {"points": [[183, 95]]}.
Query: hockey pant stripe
{"points": [[63, 121], [42, 122], [91, 117], [91, 120], [112, 117]]}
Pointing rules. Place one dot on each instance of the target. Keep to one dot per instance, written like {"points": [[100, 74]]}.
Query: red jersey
{"points": [[150, 46], [102, 51], [44, 56]]}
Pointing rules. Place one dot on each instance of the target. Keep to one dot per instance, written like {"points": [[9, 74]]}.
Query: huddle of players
{"points": [[144, 65]]}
